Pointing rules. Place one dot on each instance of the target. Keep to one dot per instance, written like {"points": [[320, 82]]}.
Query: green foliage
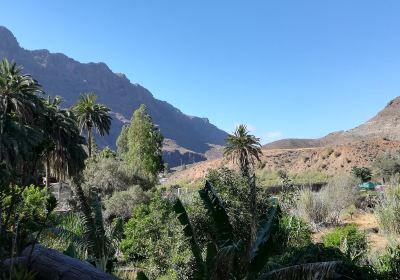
{"points": [[99, 242], [63, 154], [107, 175], [292, 232], [387, 166], [140, 144], [232, 188], [122, 141], [326, 206], [30, 208], [121, 203], [362, 173], [19, 106], [154, 240], [189, 233], [388, 264], [352, 242], [388, 211]]}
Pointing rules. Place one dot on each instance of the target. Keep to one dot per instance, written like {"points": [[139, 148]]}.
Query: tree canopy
{"points": [[141, 144]]}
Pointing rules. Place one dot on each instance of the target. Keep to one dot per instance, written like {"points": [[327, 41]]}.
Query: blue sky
{"points": [[285, 68]]}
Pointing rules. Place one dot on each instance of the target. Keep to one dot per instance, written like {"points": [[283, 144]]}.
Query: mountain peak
{"points": [[7, 39], [394, 103]]}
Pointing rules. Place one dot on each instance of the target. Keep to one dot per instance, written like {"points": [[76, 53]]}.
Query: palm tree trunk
{"points": [[253, 209], [47, 171], [90, 141]]}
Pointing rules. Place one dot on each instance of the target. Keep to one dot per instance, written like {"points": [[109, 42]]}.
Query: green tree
{"points": [[92, 115], [243, 148], [362, 173], [144, 144]]}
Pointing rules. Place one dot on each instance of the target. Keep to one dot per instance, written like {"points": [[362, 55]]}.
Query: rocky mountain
{"points": [[60, 75], [385, 125]]}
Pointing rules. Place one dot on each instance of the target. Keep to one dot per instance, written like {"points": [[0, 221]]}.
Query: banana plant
{"points": [[225, 246], [225, 249]]}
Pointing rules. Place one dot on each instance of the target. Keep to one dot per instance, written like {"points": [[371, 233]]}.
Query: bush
{"points": [[154, 240], [388, 211], [326, 206], [121, 204], [362, 173], [109, 175], [312, 208], [388, 265], [292, 232], [352, 242], [387, 166]]}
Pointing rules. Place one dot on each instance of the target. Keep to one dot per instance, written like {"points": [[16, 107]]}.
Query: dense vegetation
{"points": [[124, 223]]}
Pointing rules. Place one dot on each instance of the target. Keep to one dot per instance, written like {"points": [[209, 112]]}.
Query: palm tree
{"points": [[63, 146], [92, 115], [243, 148], [19, 102]]}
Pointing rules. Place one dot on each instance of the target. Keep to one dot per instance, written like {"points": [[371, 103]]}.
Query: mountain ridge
{"points": [[384, 125], [66, 77]]}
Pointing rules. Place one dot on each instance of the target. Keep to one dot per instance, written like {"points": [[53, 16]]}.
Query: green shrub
{"points": [[388, 265], [154, 240], [326, 206], [352, 242], [121, 204], [388, 211], [362, 173], [292, 232]]}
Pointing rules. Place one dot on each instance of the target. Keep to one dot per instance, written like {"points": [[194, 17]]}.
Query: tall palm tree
{"points": [[19, 102], [92, 115], [243, 149], [63, 146]]}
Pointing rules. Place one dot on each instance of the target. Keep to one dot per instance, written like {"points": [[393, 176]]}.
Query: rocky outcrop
{"points": [[64, 76]]}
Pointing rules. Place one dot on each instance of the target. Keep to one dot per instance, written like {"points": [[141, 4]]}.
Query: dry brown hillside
{"points": [[330, 159], [334, 153]]}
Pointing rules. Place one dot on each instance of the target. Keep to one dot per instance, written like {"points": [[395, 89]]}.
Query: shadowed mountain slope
{"points": [[61, 75]]}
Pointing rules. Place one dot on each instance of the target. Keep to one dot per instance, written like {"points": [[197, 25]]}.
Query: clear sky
{"points": [[286, 68]]}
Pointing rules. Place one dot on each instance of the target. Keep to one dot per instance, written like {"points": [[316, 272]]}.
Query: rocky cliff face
{"points": [[61, 75]]}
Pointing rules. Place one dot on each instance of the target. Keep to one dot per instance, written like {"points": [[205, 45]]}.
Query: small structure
{"points": [[368, 186]]}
